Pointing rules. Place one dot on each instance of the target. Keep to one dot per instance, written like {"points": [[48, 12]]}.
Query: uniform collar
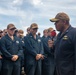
{"points": [[9, 37], [61, 35], [33, 36]]}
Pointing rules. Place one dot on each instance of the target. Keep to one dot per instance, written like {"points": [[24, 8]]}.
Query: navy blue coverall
{"points": [[11, 47], [65, 52], [48, 64], [22, 57], [32, 48]]}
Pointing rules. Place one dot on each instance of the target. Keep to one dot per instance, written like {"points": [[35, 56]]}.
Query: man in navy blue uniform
{"points": [[48, 64], [11, 52], [21, 36], [33, 54], [0, 52], [65, 46]]}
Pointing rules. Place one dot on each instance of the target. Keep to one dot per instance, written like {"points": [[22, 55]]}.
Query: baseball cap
{"points": [[34, 25], [21, 31], [11, 26], [60, 16], [50, 29]]}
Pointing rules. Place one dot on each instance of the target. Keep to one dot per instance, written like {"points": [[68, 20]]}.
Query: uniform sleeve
{"points": [[0, 52], [29, 47], [4, 51], [42, 49]]}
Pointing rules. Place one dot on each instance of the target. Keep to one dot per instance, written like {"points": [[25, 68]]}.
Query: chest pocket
{"points": [[8, 44], [11, 44]]}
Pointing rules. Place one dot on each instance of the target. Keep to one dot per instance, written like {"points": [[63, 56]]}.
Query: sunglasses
{"points": [[1, 32], [35, 28], [12, 29], [5, 32]]}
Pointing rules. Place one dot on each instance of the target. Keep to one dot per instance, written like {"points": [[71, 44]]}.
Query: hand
{"points": [[50, 43], [0, 57], [38, 56], [42, 57], [15, 57]]}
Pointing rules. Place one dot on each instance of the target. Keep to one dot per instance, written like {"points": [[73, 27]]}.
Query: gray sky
{"points": [[24, 12]]}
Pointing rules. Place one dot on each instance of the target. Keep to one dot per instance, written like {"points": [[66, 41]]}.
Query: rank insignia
{"points": [[65, 37]]}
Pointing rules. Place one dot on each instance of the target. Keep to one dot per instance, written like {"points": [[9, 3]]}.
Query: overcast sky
{"points": [[24, 12]]}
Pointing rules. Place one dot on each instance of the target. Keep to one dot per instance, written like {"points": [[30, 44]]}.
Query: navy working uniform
{"points": [[48, 64], [65, 52], [32, 48], [21, 36], [22, 58], [11, 47]]}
